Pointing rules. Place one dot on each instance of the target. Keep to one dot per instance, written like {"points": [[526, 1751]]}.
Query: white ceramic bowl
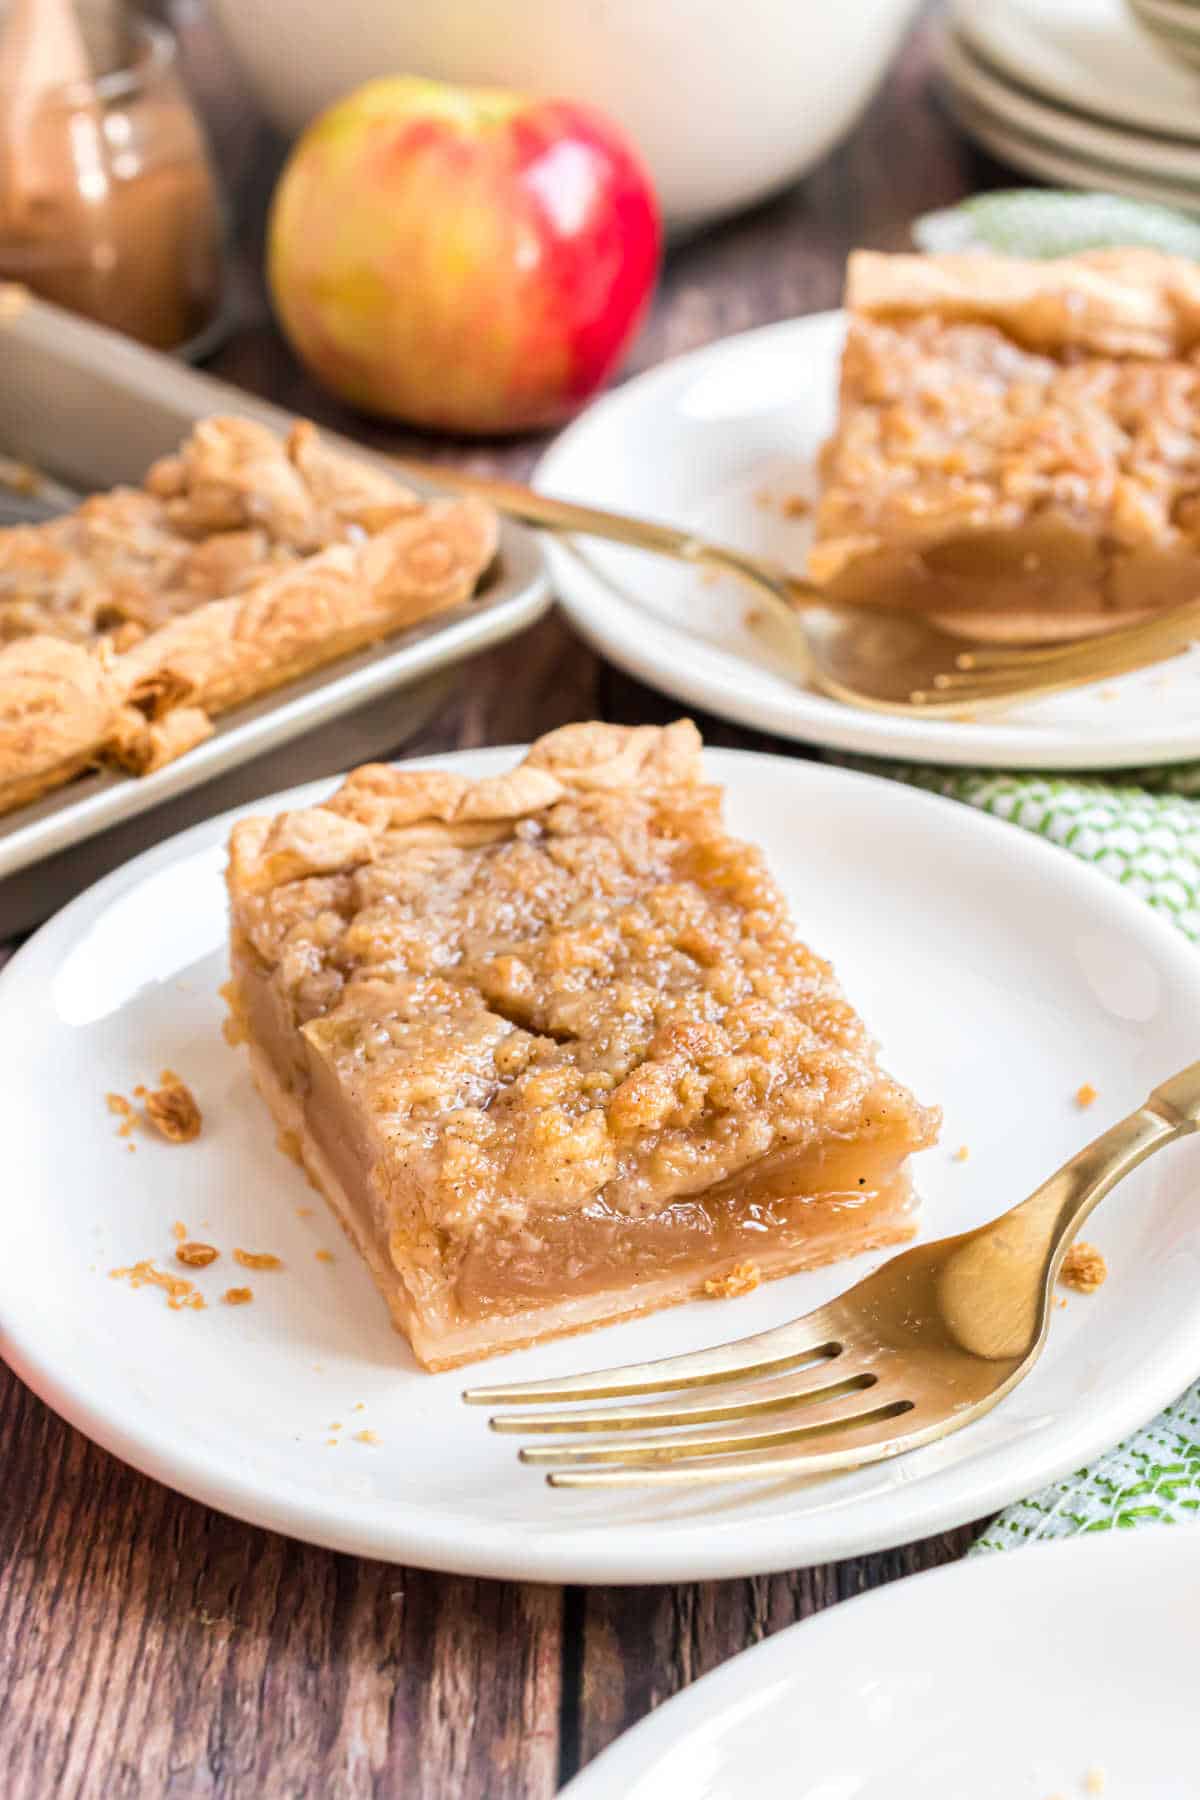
{"points": [[727, 99]]}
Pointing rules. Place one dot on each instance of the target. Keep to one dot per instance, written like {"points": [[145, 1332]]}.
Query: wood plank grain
{"points": [[151, 1646], [540, 681], [641, 1645]]}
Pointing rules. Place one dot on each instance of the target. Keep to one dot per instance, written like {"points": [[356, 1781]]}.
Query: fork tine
{"points": [[779, 1396], [969, 685], [1176, 619], [806, 1340], [1028, 656], [977, 677], [690, 1449], [998, 690], [952, 683], [878, 1442]]}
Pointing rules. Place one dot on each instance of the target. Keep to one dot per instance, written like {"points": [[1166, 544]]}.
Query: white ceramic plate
{"points": [[998, 973], [719, 440], [1088, 55], [1011, 1677], [1161, 159]]}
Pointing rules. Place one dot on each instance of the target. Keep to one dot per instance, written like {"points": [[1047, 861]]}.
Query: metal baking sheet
{"points": [[91, 409], [368, 733]]}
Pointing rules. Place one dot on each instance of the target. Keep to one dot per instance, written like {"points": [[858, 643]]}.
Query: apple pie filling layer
{"points": [[787, 1211], [442, 1336], [689, 1240]]}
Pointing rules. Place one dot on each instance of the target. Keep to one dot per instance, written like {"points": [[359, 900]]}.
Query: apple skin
{"points": [[467, 260]]}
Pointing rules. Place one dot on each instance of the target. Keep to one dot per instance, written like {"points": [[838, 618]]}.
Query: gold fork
{"points": [[882, 659], [928, 1343]]}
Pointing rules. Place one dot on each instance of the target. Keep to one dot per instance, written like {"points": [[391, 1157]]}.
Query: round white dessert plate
{"points": [[1064, 1669], [999, 975], [1159, 159], [725, 440], [1088, 56]]}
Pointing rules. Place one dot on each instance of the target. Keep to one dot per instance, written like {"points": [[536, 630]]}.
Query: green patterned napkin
{"points": [[1153, 1478], [1141, 827], [1055, 222], [1142, 830]]}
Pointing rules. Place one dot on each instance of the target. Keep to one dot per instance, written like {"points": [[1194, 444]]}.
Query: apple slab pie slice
{"points": [[1017, 450], [550, 1046]]}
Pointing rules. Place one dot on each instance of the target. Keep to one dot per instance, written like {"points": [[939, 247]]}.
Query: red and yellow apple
{"points": [[464, 259]]}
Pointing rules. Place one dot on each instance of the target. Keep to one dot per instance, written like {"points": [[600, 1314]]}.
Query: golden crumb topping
{"points": [[124, 1110], [560, 982], [1084, 1269], [743, 1278], [982, 394], [171, 1109]]}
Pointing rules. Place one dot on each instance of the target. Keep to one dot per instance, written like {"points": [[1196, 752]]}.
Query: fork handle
{"points": [[995, 1287], [1054, 1212], [549, 513], [782, 592]]}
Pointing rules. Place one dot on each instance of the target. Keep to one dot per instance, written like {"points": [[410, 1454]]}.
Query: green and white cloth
{"points": [[1143, 830], [1153, 1478]]}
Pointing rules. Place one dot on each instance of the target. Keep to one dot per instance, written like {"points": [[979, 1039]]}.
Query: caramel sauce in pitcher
{"points": [[108, 205]]}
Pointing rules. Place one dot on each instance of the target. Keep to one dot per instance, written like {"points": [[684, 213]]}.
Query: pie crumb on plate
{"points": [[171, 1108], [1084, 1269]]}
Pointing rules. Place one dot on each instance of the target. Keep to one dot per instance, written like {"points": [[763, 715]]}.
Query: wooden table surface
{"points": [[150, 1646]]}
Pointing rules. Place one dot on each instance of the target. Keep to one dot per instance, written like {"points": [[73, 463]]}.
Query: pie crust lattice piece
{"points": [[244, 561]]}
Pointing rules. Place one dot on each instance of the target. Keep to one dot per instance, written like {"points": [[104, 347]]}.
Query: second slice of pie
{"points": [[550, 1045], [1018, 443]]}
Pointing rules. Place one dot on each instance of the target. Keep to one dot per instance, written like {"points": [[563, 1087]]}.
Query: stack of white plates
{"points": [[1176, 25], [1077, 92]]}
